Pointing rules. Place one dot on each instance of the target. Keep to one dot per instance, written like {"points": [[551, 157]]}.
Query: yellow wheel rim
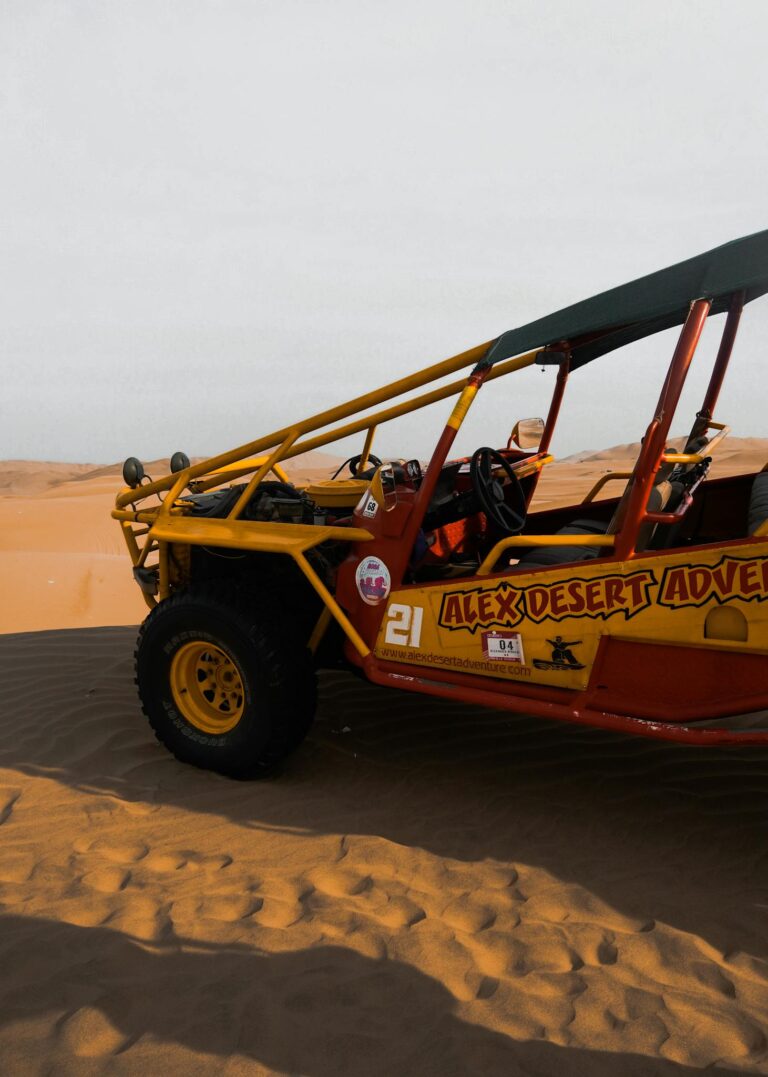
{"points": [[207, 687]]}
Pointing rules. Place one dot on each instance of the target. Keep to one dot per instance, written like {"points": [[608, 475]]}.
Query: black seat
{"points": [[664, 494], [544, 556], [758, 503]]}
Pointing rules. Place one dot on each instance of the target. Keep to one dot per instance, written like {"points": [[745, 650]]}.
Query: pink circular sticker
{"points": [[373, 580]]}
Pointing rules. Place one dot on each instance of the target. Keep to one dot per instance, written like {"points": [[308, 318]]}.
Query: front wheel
{"points": [[221, 682]]}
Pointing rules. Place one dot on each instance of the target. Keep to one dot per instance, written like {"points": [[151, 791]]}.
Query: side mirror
{"points": [[526, 434], [413, 471], [384, 487]]}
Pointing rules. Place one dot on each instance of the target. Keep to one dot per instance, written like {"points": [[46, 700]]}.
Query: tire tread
{"points": [[288, 668]]}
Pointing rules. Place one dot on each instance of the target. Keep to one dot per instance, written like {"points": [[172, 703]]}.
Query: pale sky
{"points": [[218, 217]]}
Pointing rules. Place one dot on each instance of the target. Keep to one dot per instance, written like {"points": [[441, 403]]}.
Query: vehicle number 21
{"points": [[404, 625]]}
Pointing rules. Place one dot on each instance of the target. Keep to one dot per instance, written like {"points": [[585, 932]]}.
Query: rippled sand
{"points": [[426, 889]]}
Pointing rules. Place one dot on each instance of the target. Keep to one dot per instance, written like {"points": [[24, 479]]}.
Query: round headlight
{"points": [[179, 462], [133, 472]]}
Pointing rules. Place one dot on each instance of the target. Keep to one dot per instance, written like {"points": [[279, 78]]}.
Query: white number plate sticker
{"points": [[507, 646]]}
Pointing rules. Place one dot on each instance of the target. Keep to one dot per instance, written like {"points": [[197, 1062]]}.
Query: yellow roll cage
{"points": [[166, 523]]}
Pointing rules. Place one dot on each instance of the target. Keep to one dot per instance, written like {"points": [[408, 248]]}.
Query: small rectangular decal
{"points": [[503, 646], [370, 508]]}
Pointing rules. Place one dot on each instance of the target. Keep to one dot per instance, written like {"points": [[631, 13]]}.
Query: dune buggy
{"points": [[643, 612]]}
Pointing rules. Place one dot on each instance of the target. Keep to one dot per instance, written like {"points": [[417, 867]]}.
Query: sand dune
{"points": [[568, 480], [426, 889], [24, 477]]}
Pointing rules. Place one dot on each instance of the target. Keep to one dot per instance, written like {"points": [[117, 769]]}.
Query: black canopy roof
{"points": [[646, 305]]}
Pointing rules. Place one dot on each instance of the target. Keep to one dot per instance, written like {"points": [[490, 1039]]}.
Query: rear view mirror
{"points": [[526, 434]]}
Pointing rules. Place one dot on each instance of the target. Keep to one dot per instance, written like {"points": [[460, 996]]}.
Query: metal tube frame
{"points": [[573, 708], [652, 450], [315, 422], [285, 443], [704, 417]]}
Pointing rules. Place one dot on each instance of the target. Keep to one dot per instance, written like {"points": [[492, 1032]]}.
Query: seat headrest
{"points": [[758, 503]]}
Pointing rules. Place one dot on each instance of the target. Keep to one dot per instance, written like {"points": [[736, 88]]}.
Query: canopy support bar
{"points": [[649, 461], [727, 340]]}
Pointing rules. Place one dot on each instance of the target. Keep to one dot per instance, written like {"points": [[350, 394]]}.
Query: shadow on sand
{"points": [[319, 1012]]}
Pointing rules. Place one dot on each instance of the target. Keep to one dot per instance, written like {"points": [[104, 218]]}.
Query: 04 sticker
{"points": [[503, 647]]}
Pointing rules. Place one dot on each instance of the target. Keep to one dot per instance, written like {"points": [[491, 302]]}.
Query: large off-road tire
{"points": [[221, 680]]}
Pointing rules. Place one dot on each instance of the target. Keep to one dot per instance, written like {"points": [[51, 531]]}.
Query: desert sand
{"points": [[427, 888]]}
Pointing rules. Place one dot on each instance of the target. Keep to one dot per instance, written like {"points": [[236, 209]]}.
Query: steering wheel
{"points": [[491, 493], [354, 463]]}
